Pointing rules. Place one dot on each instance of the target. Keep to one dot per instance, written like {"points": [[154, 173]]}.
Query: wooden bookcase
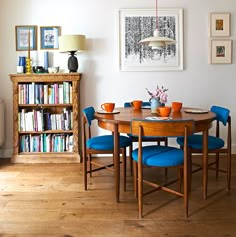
{"points": [[37, 138]]}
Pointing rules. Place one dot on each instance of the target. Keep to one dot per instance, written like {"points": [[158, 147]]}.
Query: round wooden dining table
{"points": [[119, 122]]}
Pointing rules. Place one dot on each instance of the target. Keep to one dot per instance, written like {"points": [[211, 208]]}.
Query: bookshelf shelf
{"points": [[46, 124], [45, 105]]}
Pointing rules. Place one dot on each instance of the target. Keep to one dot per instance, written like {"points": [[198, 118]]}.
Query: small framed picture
{"points": [[220, 51], [49, 37], [219, 24], [26, 37]]}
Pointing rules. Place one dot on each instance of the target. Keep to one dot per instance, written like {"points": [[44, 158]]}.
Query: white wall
{"points": [[199, 85]]}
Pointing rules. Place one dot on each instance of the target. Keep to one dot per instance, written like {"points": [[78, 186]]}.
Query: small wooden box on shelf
{"points": [[46, 118]]}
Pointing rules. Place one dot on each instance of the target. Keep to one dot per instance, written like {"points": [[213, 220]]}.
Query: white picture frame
{"points": [[135, 57], [220, 51], [219, 24]]}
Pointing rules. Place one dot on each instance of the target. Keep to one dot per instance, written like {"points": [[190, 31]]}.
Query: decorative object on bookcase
{"points": [[22, 62], [28, 60], [53, 69], [46, 61], [72, 44], [46, 118], [28, 66]]}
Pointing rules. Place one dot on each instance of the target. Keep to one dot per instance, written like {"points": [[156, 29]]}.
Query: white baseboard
{"points": [[6, 153]]}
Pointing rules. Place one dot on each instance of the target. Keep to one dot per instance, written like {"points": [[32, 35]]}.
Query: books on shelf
{"points": [[38, 93], [46, 143], [42, 120]]}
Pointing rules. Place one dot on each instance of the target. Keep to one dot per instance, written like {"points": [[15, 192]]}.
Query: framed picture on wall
{"points": [[137, 24], [219, 24], [49, 37], [26, 36], [220, 51]]}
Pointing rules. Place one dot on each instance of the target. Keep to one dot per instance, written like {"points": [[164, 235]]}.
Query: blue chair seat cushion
{"points": [[160, 156], [195, 142], [106, 142]]}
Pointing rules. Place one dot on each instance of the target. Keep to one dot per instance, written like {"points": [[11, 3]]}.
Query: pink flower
{"points": [[159, 93]]}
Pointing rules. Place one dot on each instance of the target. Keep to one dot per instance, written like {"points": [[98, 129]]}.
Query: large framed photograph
{"points": [[220, 51], [137, 24], [49, 36], [26, 36], [219, 24]]}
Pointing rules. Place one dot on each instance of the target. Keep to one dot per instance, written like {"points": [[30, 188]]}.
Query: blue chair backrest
{"points": [[127, 104], [222, 114], [89, 114]]}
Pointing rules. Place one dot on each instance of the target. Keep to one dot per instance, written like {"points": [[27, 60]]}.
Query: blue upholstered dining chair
{"points": [[147, 138], [216, 143], [104, 144], [161, 156]]}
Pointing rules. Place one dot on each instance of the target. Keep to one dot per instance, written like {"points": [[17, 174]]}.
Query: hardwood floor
{"points": [[48, 200]]}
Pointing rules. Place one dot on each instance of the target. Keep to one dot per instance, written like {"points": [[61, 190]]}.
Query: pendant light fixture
{"points": [[157, 41]]}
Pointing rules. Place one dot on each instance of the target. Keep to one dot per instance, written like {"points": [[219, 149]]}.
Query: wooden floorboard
{"points": [[48, 200]]}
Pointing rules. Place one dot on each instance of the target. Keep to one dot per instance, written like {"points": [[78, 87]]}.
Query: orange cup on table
{"points": [[136, 104], [177, 106], [108, 107], [164, 111]]}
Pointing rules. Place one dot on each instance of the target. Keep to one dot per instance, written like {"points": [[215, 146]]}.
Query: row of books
{"points": [[46, 143], [43, 120], [38, 93]]}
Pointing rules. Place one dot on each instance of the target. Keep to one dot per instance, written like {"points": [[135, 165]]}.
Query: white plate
{"points": [[196, 111], [146, 107], [105, 112], [154, 118]]}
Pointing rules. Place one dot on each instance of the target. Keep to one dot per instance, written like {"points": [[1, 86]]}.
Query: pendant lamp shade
{"points": [[156, 41]]}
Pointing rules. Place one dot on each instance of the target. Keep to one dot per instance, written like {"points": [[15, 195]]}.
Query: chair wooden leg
{"points": [[124, 167], [166, 172], [166, 144], [190, 172], [217, 164], [135, 171], [186, 188], [180, 178], [85, 172], [140, 190], [90, 165], [131, 160], [228, 171]]}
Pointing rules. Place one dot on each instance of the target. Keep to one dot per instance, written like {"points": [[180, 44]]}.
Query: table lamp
{"points": [[72, 44]]}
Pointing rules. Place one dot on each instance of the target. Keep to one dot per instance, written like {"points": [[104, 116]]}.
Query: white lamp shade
{"points": [[156, 41], [69, 43]]}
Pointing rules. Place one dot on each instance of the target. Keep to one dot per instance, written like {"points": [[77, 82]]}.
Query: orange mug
{"points": [[137, 104], [164, 111], [176, 106], [108, 107]]}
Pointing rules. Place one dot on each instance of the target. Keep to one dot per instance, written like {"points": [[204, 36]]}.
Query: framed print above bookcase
{"points": [[26, 36]]}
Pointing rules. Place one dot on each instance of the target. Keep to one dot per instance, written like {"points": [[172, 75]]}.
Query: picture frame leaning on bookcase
{"points": [[46, 118]]}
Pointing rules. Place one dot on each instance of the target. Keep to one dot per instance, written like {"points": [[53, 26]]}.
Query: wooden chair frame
{"points": [[226, 150], [87, 156], [143, 128]]}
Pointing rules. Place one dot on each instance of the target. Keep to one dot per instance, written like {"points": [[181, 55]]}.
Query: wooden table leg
{"points": [[205, 163], [117, 161]]}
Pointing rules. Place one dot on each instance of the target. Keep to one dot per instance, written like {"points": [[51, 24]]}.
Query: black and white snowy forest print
{"points": [[143, 57]]}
